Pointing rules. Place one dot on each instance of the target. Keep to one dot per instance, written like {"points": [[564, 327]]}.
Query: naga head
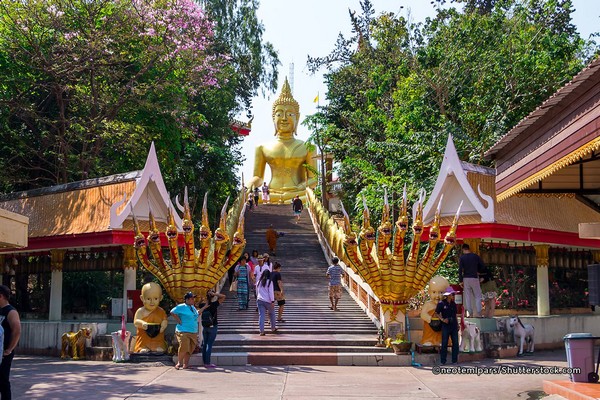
{"points": [[153, 233], [221, 232], [139, 241], [367, 232], [171, 227], [205, 233], [451, 235], [418, 220], [350, 237], [187, 224], [434, 232], [238, 236], [385, 228], [402, 222]]}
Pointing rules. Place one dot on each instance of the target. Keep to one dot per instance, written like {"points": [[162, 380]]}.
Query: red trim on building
{"points": [[244, 131], [86, 240], [517, 233]]}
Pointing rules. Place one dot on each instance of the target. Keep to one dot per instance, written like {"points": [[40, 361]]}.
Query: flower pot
{"points": [[402, 348]]}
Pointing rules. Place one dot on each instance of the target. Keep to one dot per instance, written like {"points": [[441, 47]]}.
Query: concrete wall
{"points": [[44, 337], [549, 331]]}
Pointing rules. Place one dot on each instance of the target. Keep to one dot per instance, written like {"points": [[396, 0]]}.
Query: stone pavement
{"points": [[52, 378]]}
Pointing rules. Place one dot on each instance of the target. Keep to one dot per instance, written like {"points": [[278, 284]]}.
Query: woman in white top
{"points": [[265, 299]]}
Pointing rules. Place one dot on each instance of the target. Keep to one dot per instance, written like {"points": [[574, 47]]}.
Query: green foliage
{"points": [[396, 90], [87, 85], [89, 292]]}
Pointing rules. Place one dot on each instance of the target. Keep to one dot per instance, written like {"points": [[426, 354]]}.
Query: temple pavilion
{"points": [[83, 226], [527, 211]]}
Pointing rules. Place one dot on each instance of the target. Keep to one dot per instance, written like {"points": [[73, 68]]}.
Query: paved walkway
{"points": [[51, 378]]}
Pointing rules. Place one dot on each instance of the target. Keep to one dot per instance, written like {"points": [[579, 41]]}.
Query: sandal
{"points": [[177, 366]]}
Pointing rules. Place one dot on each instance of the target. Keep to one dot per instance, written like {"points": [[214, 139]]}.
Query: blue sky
{"points": [[310, 27]]}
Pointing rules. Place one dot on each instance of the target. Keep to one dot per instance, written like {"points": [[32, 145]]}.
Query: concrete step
{"points": [[299, 348], [99, 353], [324, 358], [312, 334]]}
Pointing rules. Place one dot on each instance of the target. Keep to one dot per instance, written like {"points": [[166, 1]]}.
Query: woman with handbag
{"points": [[242, 274], [265, 299]]}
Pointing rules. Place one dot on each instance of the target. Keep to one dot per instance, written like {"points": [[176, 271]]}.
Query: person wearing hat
{"points": [[260, 268], [446, 312], [186, 331]]}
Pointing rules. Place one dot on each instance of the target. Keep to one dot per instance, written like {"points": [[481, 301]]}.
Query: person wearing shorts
{"points": [[186, 331], [278, 290], [297, 206], [334, 274]]}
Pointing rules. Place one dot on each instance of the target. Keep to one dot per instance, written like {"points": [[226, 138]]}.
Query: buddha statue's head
{"points": [[286, 113], [151, 296]]}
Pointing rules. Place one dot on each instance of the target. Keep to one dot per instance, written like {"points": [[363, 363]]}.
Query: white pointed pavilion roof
{"points": [[452, 183], [150, 191]]}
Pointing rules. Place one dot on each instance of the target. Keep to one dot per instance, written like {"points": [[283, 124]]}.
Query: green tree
{"points": [[396, 90], [87, 85]]}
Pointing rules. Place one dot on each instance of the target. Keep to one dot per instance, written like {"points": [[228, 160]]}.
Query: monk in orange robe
{"points": [[151, 321], [272, 236]]}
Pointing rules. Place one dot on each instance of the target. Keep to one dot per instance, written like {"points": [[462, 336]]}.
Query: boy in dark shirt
{"points": [[278, 290]]}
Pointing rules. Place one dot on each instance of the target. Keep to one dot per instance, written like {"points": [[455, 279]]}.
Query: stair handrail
{"points": [[331, 237]]}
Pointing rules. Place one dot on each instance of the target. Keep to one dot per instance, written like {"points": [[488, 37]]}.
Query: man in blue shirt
{"points": [[186, 331], [334, 273], [446, 312]]}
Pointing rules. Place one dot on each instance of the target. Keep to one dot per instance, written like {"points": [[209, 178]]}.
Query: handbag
{"points": [[233, 286], [435, 324]]}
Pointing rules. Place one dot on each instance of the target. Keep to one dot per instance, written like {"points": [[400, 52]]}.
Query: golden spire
{"points": [[286, 98]]}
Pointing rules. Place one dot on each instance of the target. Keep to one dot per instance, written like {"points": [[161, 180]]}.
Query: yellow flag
{"points": [[316, 100]]}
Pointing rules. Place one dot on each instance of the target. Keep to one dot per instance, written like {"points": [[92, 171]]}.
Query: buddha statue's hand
{"points": [[145, 326], [256, 182]]}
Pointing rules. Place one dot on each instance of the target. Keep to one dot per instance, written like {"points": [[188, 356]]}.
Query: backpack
{"points": [[207, 318]]}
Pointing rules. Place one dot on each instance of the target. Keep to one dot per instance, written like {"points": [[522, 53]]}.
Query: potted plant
{"points": [[400, 344]]}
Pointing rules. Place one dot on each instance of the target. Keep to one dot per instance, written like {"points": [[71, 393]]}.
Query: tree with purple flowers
{"points": [[88, 84]]}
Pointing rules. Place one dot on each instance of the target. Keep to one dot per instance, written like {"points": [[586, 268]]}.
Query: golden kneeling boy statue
{"points": [[151, 321], [437, 285]]}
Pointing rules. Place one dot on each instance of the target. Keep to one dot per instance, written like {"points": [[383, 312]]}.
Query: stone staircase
{"points": [[312, 334]]}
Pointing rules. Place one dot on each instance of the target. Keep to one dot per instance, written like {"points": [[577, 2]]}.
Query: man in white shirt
{"points": [[258, 270]]}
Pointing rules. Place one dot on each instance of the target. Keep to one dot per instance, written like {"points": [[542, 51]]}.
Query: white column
{"points": [[56, 281], [543, 290], [128, 284], [129, 273]]}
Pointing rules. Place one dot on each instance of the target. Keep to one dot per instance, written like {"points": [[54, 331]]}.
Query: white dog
{"points": [[120, 345], [522, 333], [471, 335]]}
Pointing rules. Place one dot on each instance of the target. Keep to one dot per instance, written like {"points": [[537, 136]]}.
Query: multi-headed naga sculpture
{"points": [[198, 270], [393, 277]]}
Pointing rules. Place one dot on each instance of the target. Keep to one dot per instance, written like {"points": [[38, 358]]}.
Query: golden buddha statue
{"points": [[286, 156]]}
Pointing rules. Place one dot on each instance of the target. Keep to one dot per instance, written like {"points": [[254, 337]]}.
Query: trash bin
{"points": [[580, 354]]}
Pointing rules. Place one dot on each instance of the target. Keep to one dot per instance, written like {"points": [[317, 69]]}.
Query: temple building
{"points": [[527, 212], [81, 226]]}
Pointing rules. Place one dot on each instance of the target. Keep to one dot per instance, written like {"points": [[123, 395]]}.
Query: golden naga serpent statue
{"points": [[198, 270], [394, 278]]}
